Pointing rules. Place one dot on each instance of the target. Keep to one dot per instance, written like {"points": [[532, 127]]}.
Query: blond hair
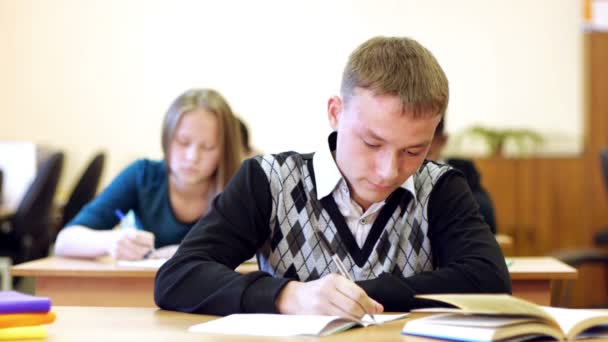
{"points": [[398, 66], [230, 136]]}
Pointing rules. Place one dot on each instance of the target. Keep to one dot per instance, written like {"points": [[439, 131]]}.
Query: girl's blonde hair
{"points": [[231, 151]]}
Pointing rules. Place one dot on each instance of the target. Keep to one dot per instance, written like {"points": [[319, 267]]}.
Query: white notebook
{"points": [[286, 325]]}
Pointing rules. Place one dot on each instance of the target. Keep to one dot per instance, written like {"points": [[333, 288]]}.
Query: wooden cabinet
{"points": [[539, 202], [548, 204]]}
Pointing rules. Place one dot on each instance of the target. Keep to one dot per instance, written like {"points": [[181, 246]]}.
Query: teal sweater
{"points": [[142, 187]]}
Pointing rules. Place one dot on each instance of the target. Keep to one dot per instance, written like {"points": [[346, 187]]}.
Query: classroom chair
{"points": [[84, 190], [597, 254], [26, 234]]}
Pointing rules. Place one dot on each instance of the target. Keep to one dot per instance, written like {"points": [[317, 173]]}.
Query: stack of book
{"points": [[24, 316]]}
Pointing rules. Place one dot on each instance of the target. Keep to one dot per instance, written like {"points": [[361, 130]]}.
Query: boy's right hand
{"points": [[132, 244], [330, 295]]}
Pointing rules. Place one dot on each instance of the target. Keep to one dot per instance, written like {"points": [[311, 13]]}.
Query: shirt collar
{"points": [[327, 174]]}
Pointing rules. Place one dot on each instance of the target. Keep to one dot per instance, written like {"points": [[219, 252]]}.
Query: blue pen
{"points": [[121, 216]]}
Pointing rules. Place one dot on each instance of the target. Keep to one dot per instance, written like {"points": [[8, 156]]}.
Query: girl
{"points": [[202, 149]]}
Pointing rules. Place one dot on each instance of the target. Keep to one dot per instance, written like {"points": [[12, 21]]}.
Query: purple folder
{"points": [[16, 302]]}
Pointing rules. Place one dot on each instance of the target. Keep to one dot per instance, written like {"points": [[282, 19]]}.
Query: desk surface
{"points": [[540, 268], [149, 324], [100, 267], [521, 268]]}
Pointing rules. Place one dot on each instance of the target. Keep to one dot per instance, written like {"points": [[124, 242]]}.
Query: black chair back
{"points": [[32, 222], [1, 183], [86, 188]]}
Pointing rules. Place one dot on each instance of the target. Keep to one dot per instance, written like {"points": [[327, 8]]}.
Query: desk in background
{"points": [[506, 243], [103, 283], [99, 282], [535, 278]]}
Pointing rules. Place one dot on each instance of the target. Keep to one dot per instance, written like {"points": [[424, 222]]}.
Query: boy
{"points": [[400, 225]]}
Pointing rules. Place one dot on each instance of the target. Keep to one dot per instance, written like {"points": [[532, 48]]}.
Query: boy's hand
{"points": [[132, 244], [331, 295]]}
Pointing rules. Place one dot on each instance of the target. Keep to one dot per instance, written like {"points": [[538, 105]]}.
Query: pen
{"points": [[121, 216], [339, 265]]}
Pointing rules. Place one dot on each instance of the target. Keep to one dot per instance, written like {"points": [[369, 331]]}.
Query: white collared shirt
{"points": [[330, 182]]}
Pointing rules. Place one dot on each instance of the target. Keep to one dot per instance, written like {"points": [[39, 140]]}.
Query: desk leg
{"points": [[92, 291]]}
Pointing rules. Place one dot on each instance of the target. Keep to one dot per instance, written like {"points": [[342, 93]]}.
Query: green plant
{"points": [[496, 138]]}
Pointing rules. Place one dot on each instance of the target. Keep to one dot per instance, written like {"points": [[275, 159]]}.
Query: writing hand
{"points": [[330, 295]]}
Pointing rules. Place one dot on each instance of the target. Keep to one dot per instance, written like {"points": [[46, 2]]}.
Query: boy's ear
{"points": [[334, 110]]}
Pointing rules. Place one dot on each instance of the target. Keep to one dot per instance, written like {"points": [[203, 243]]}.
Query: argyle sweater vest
{"points": [[397, 242]]}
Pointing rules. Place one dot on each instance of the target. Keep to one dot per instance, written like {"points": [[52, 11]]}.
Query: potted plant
{"points": [[496, 139]]}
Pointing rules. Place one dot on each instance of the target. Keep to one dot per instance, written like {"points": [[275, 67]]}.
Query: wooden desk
{"points": [[149, 324], [89, 282], [506, 243], [99, 282], [535, 278], [103, 283]]}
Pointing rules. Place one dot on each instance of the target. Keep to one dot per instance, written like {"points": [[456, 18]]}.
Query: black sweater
{"points": [[459, 253]]}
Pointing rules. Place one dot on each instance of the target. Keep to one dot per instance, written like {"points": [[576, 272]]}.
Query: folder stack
{"points": [[24, 316]]}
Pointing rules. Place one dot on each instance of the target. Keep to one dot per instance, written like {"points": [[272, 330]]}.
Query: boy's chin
{"points": [[375, 197]]}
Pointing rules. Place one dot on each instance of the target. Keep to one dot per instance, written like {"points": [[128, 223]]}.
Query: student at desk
{"points": [[202, 148], [467, 167], [401, 226]]}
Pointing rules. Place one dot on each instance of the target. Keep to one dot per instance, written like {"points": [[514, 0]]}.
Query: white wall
{"points": [[85, 75]]}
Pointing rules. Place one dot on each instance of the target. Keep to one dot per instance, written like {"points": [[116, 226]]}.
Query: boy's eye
{"points": [[370, 145], [412, 153]]}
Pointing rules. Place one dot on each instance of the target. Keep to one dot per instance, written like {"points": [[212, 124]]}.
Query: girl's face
{"points": [[194, 152]]}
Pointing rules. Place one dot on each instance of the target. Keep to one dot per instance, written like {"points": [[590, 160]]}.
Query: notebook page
{"points": [[145, 263], [284, 325], [265, 325]]}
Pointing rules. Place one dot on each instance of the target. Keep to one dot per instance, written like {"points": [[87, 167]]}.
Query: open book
{"points": [[286, 325], [501, 317]]}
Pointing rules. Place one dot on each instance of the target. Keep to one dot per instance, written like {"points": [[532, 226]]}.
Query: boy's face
{"points": [[379, 146]]}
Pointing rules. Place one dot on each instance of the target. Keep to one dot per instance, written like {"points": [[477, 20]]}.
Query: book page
{"points": [[492, 304], [479, 327], [574, 321], [476, 320], [145, 263]]}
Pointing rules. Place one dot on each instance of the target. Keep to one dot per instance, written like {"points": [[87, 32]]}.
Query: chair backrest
{"points": [[86, 188], [31, 224], [1, 183], [604, 161]]}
